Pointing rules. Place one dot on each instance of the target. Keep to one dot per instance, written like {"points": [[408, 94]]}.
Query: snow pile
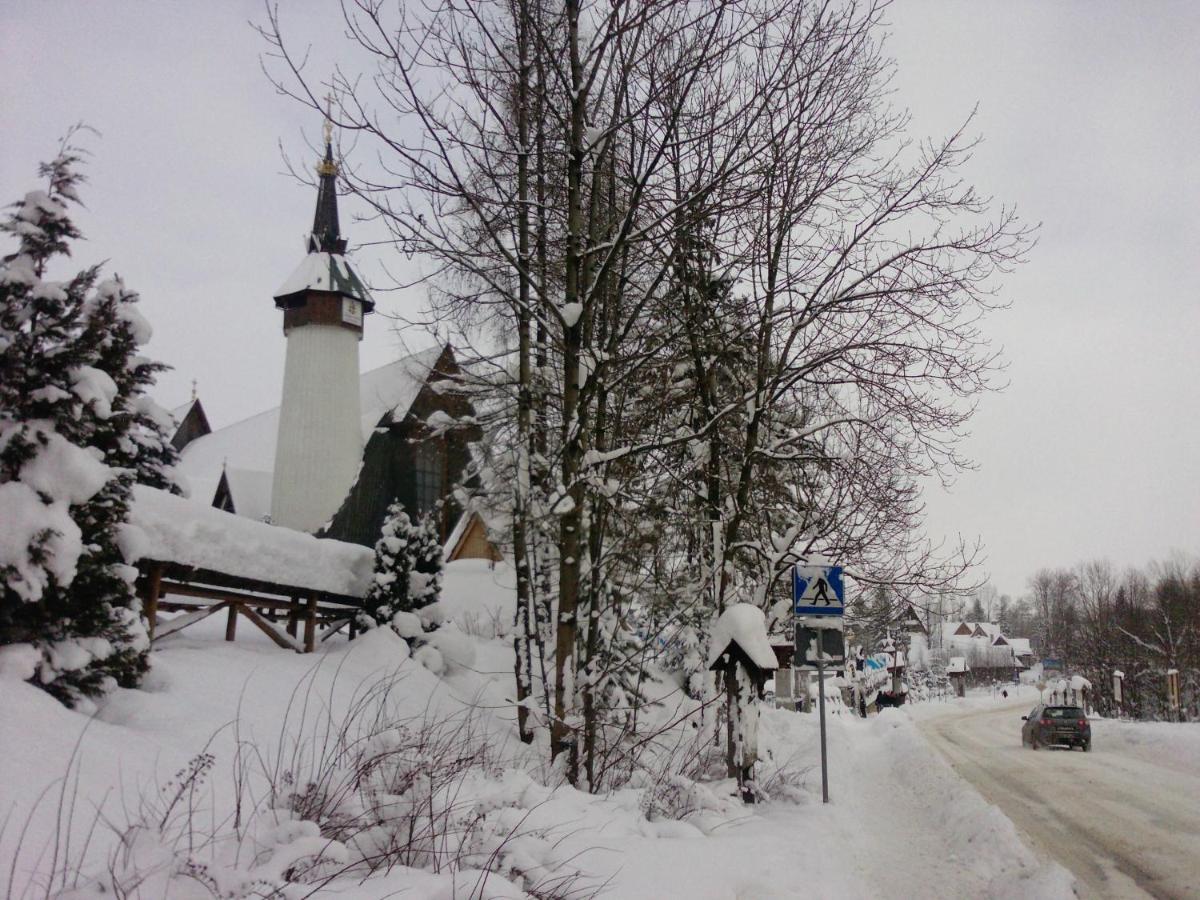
{"points": [[1172, 745], [167, 528]]}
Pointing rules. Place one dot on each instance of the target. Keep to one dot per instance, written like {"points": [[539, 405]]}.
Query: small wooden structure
{"points": [[469, 540], [743, 656], [957, 669], [166, 586]]}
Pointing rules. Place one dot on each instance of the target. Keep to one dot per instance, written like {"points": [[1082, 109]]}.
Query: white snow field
{"points": [[1124, 818], [901, 822]]}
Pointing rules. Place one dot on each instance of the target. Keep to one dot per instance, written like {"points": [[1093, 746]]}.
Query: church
{"points": [[341, 445]]}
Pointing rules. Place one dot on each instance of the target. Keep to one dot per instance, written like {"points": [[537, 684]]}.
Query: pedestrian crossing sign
{"points": [[818, 591]]}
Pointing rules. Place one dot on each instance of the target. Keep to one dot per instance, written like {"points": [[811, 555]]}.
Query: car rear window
{"points": [[1063, 712]]}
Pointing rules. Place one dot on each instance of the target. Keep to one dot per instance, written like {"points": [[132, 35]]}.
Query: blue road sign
{"points": [[818, 591]]}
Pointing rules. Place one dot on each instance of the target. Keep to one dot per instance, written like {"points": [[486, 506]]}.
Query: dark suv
{"points": [[1063, 725]]}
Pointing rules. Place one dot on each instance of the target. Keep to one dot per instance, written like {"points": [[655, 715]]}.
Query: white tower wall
{"points": [[320, 433]]}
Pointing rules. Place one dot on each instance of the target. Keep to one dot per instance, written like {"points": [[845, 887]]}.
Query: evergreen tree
{"points": [[408, 568], [75, 431], [977, 613], [137, 435]]}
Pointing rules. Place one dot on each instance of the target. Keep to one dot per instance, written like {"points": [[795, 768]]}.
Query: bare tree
{"points": [[718, 288]]}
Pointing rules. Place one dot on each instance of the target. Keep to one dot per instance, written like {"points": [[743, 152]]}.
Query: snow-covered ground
{"points": [[900, 821], [1125, 818]]}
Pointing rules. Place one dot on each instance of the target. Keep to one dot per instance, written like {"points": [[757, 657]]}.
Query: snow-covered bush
{"points": [[408, 571], [335, 801], [75, 431]]}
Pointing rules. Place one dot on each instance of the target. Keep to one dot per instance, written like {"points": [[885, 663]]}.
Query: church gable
{"points": [[416, 454], [190, 423]]}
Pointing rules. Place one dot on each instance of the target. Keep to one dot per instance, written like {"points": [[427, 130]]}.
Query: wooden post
{"points": [[231, 622], [293, 615], [151, 589], [310, 624]]}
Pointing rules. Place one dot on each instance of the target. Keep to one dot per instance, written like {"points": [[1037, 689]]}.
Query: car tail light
{"points": [[1083, 723], [1044, 722]]}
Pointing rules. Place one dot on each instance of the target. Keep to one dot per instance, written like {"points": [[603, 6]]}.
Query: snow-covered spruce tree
{"points": [[408, 568], [137, 435], [70, 389]]}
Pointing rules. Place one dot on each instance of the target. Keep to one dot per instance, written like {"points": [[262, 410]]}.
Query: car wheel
{"points": [[1033, 743], [1087, 747]]}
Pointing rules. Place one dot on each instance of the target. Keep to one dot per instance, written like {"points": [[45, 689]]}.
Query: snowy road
{"points": [[1126, 824], [900, 824]]}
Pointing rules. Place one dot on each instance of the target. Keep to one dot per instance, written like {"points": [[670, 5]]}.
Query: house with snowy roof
{"points": [[341, 445], [986, 650]]}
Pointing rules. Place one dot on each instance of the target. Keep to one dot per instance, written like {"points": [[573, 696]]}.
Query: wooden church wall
{"points": [[390, 465]]}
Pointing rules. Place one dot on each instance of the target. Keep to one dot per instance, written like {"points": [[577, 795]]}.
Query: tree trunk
{"points": [[562, 730]]}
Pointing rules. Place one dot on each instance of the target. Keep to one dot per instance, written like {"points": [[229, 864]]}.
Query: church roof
{"points": [[325, 272], [250, 492], [386, 394], [326, 235]]}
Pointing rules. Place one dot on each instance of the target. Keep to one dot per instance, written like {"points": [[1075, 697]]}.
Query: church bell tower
{"points": [[320, 441]]}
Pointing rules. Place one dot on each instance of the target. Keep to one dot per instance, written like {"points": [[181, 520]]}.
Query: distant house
{"points": [[987, 652], [910, 621]]}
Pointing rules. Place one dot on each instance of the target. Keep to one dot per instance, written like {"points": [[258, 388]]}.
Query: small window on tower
{"points": [[429, 477]]}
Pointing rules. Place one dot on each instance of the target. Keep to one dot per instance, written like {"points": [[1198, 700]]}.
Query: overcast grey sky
{"points": [[1089, 112]]}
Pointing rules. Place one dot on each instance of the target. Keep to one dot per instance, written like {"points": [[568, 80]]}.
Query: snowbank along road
{"points": [[1124, 820]]}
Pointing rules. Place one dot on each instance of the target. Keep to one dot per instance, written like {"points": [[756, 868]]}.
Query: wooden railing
{"points": [[201, 593]]}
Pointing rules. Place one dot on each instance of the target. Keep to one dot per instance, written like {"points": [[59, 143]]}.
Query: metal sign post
{"points": [[818, 602], [821, 705]]}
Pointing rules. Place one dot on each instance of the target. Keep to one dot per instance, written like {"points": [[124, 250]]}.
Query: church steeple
{"points": [[326, 236], [319, 447]]}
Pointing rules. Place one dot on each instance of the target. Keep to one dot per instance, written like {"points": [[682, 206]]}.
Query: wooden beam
{"points": [[333, 627], [219, 593], [151, 587], [181, 622], [193, 574], [280, 639], [310, 624], [231, 622]]}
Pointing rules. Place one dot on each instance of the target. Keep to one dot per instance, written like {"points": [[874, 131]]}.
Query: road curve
{"points": [[1123, 826]]}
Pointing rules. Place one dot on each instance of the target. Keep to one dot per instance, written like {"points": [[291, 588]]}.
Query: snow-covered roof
{"points": [[250, 491], [166, 528], [1020, 646], [179, 413], [249, 445], [324, 272], [957, 664], [745, 625]]}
